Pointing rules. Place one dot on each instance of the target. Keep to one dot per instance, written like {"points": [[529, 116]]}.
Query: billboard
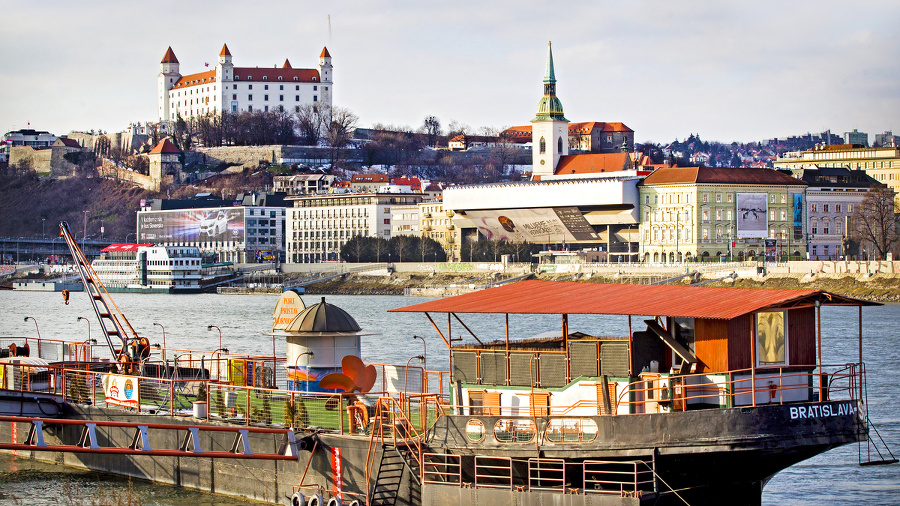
{"points": [[192, 225], [752, 216], [539, 225], [798, 216]]}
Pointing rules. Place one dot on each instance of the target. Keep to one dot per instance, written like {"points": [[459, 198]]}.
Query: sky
{"points": [[728, 71]]}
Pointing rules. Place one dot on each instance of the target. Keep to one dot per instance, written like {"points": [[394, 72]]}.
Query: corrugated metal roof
{"points": [[560, 297]]}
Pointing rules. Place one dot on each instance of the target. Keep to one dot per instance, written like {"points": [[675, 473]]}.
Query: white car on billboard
{"points": [[213, 224]]}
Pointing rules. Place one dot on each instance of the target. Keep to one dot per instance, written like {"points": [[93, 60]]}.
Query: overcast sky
{"points": [[741, 71]]}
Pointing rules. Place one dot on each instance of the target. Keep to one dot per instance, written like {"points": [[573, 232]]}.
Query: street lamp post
{"points": [[164, 340], [84, 236], [43, 230], [424, 347], [210, 327], [311, 356], [35, 325], [129, 235], [89, 333], [406, 370]]}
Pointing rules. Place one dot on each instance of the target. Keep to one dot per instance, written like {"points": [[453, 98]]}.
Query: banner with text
{"points": [[539, 225], [121, 391]]}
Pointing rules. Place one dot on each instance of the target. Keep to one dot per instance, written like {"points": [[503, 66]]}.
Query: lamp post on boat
{"points": [[219, 361], [164, 340], [80, 318], [406, 370], [311, 356], [210, 327], [424, 348], [35, 325]]}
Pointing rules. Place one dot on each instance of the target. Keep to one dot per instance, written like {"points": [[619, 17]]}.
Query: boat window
{"points": [[474, 430], [571, 430], [514, 430], [771, 338]]}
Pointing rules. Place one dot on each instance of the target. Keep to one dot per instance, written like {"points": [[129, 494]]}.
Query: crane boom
{"points": [[112, 324]]}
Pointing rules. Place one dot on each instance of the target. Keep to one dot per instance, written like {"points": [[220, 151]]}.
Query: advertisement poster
{"points": [[191, 225], [752, 216], [771, 246], [538, 225], [798, 216], [121, 391]]}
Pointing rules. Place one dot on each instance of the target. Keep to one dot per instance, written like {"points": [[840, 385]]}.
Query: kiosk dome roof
{"points": [[323, 317]]}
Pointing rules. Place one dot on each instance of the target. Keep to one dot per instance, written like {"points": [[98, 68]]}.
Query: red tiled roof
{"points": [[412, 182], [594, 162], [518, 132], [324, 53], [256, 74], [566, 297], [169, 57], [70, 143], [722, 175], [287, 64], [165, 147], [196, 79], [125, 247], [225, 51]]}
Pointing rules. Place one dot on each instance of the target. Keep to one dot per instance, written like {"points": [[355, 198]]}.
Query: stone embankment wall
{"points": [[254, 156], [111, 171]]}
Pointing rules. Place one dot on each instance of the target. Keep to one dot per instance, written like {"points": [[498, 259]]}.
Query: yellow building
{"points": [[434, 222], [690, 213], [883, 164]]}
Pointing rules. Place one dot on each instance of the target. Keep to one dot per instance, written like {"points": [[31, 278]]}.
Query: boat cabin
{"points": [[684, 348]]}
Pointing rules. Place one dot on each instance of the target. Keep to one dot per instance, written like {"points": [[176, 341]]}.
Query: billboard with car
{"points": [[216, 224]]}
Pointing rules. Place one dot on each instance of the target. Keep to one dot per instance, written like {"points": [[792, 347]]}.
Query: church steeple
{"points": [[549, 108]]}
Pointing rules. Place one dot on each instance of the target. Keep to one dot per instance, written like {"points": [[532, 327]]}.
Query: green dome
{"points": [[550, 109]]}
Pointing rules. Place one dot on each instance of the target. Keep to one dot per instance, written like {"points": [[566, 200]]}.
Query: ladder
{"points": [[111, 324]]}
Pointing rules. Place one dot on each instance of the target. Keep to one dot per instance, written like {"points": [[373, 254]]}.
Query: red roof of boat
{"points": [[125, 247], [561, 297]]}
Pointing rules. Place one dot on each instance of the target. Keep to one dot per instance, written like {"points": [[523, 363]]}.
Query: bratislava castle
{"points": [[239, 89]]}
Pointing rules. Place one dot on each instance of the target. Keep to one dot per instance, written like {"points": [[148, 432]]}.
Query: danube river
{"points": [[834, 477]]}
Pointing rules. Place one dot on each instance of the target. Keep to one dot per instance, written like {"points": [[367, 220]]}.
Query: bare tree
{"points": [[310, 124], [874, 223], [341, 127], [432, 129]]}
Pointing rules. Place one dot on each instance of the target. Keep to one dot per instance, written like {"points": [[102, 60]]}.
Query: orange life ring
{"points": [[65, 294], [359, 416]]}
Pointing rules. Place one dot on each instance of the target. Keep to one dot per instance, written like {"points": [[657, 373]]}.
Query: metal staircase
{"points": [[400, 447], [112, 324]]}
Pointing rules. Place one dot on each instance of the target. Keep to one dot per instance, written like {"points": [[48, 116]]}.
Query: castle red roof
{"points": [[325, 53], [169, 57], [225, 51], [165, 147]]}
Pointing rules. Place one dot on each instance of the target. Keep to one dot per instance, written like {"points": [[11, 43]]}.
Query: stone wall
{"points": [[111, 171], [37, 159], [253, 156]]}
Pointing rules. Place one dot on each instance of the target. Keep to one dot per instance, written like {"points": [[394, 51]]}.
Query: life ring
{"points": [[316, 500], [359, 416], [335, 501], [65, 294], [298, 499]]}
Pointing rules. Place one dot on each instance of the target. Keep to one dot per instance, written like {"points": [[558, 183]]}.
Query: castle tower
{"points": [[225, 75], [168, 75], [326, 78], [550, 129]]}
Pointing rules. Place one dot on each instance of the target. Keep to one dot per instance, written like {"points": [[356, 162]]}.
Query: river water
{"points": [[833, 477]]}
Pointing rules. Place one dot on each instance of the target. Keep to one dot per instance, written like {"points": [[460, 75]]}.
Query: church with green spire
{"points": [[550, 128]]}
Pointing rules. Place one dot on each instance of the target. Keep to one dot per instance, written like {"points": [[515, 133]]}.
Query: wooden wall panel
{"points": [[802, 336], [711, 345], [740, 332]]}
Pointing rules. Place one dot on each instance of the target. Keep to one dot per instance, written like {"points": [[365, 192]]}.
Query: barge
{"points": [[702, 396]]}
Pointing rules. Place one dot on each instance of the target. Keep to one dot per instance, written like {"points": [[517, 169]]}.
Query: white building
{"points": [[239, 89], [303, 184], [320, 225], [405, 220]]}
